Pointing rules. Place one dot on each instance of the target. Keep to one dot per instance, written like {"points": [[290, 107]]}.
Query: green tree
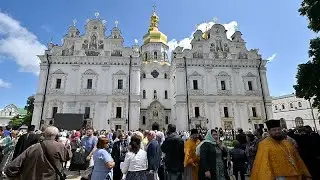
{"points": [[308, 77], [16, 121], [27, 118]]}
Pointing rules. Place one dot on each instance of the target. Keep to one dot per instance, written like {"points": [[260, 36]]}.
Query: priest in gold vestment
{"points": [[277, 159], [191, 160]]}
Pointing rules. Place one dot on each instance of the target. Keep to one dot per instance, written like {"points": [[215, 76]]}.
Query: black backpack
{"points": [[79, 156]]}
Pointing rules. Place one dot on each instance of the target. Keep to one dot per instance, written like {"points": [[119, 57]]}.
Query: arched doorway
{"points": [[299, 121], [155, 113], [283, 123]]}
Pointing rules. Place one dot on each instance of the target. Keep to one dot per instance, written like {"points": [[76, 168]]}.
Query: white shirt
{"points": [[135, 162]]}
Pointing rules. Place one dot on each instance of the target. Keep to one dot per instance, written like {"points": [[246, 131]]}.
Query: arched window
{"points": [[143, 75], [291, 105], [145, 56], [283, 107], [166, 94], [165, 75], [299, 104], [155, 94], [298, 121], [155, 55], [143, 120], [276, 107], [144, 94], [165, 57], [167, 120]]}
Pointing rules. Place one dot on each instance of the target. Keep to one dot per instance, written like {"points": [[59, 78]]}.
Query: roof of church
{"points": [[153, 34]]}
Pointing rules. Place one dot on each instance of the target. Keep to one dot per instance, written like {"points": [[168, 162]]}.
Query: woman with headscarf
{"points": [[75, 143], [211, 162]]}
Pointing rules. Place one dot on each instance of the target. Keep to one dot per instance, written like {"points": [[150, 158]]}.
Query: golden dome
{"points": [[154, 35]]}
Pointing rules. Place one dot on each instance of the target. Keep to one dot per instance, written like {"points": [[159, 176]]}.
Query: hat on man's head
{"points": [[194, 131], [273, 123]]}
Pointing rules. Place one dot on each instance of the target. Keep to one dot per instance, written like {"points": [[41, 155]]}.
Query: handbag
{"points": [[62, 176]]}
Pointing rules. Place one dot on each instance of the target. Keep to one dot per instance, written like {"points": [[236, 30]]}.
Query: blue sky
{"points": [[274, 27]]}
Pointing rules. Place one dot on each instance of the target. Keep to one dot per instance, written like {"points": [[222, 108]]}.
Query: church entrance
{"points": [[155, 113]]}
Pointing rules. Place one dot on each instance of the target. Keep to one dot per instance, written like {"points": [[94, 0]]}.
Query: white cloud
{"points": [[271, 58], [186, 42], [4, 84], [19, 44], [46, 28]]}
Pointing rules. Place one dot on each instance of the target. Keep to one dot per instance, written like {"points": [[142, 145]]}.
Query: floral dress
{"points": [[8, 146], [219, 164]]}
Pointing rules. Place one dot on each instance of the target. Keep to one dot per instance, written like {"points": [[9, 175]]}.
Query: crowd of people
{"points": [[198, 154]]}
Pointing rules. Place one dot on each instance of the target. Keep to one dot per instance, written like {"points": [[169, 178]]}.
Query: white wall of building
{"points": [[104, 60], [291, 109]]}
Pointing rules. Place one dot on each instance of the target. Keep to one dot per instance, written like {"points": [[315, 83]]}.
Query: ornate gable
{"points": [[223, 73], [120, 72], [90, 72], [59, 71], [195, 73]]}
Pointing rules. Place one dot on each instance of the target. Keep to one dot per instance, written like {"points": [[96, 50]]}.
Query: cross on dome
{"points": [[215, 20], [154, 8], [116, 23], [136, 41], [96, 14], [74, 22]]}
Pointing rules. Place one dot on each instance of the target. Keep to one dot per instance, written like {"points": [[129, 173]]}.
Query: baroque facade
{"points": [[8, 112], [294, 112], [217, 83]]}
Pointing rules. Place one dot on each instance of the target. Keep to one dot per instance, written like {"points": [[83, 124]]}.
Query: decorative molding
{"points": [[223, 76], [58, 74], [115, 77], [89, 74]]}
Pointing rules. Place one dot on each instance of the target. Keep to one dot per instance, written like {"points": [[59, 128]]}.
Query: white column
{"points": [[182, 118], [244, 114], [208, 89], [36, 114], [217, 115], [101, 116], [135, 81], [42, 78], [181, 81], [269, 110], [235, 78], [264, 83], [237, 116], [134, 116], [212, 123]]}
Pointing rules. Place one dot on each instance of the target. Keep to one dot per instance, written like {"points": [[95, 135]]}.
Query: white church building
{"points": [[216, 83]]}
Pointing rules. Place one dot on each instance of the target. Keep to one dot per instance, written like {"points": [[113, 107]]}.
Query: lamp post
{"points": [[45, 91]]}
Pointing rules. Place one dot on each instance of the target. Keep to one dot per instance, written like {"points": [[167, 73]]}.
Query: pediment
{"points": [[223, 73], [120, 73], [250, 75], [90, 72], [156, 105], [195, 73], [59, 71]]}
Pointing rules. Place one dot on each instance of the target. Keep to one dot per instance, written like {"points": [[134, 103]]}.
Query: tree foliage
{"points": [[308, 77], [29, 108], [24, 119], [16, 121], [311, 9]]}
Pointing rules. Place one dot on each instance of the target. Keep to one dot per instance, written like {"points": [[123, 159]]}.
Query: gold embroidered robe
{"points": [[190, 157], [273, 160]]}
